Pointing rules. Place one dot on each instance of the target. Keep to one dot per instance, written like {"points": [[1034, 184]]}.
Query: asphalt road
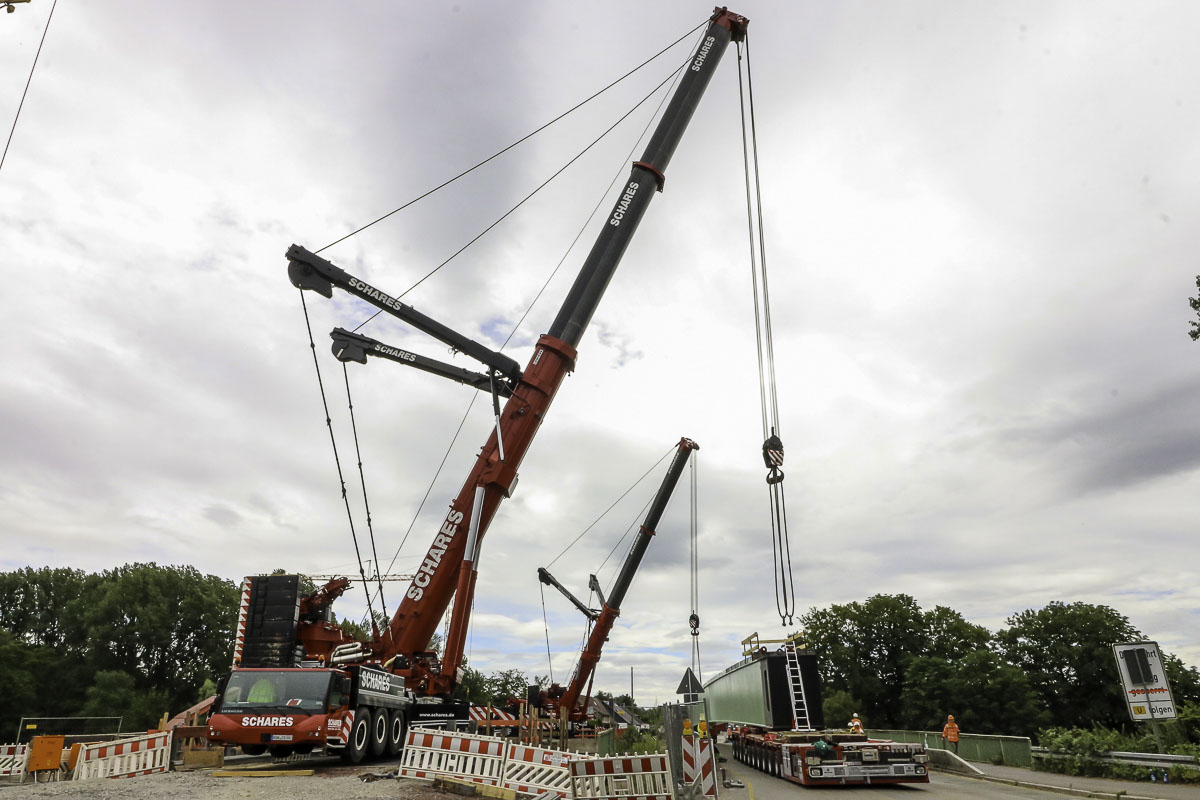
{"points": [[941, 786]]}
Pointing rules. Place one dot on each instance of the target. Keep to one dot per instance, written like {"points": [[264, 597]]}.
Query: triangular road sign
{"points": [[689, 684]]}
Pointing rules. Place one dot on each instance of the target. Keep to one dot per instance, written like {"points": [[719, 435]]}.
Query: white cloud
{"points": [[981, 238]]}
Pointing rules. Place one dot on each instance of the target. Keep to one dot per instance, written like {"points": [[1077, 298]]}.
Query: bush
{"points": [[1076, 751]]}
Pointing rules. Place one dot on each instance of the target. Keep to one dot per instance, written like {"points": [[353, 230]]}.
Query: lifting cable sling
{"points": [[772, 449]]}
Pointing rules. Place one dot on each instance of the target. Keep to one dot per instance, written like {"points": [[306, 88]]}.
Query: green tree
{"points": [[40, 605], [1195, 304], [838, 706], [864, 648], [168, 627], [507, 683], [984, 694], [473, 688], [1065, 649], [113, 694]]}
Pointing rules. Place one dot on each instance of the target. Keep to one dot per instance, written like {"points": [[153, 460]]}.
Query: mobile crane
{"points": [[574, 697], [299, 682]]}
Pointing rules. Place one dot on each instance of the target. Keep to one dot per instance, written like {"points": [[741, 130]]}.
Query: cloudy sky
{"points": [[981, 225]]}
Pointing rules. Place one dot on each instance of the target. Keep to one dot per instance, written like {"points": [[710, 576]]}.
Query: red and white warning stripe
{"points": [[429, 753], [125, 758], [699, 762], [530, 770], [626, 777], [243, 612], [13, 758]]}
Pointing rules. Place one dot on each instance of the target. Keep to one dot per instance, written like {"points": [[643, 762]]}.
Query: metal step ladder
{"points": [[796, 690]]}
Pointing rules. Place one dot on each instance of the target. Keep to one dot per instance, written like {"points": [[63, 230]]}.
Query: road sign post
{"points": [[1144, 680]]}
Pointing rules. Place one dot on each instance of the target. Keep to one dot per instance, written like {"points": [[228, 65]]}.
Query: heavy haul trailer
{"points": [[317, 686], [770, 704]]}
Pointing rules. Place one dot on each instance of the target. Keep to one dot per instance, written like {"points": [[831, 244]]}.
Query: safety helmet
{"points": [[854, 716]]}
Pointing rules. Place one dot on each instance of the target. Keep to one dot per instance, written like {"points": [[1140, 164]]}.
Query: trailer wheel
{"points": [[396, 732], [379, 732], [360, 737]]}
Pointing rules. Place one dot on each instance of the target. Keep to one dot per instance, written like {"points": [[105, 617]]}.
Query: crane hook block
{"points": [[773, 458]]}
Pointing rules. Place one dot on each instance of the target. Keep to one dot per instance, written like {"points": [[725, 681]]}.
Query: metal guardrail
{"points": [[1162, 760]]}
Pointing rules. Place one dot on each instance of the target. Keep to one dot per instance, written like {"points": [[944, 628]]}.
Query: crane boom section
{"points": [[612, 606]]}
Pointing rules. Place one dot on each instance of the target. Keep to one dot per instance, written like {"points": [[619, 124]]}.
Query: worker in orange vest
{"points": [[855, 725], [950, 732]]}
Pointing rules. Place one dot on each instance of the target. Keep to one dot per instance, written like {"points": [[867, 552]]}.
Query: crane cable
{"points": [[362, 477], [504, 150], [694, 547], [337, 460], [546, 626], [28, 80], [471, 404], [772, 448]]}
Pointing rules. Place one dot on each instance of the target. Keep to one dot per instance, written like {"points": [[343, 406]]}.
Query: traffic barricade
{"points": [[635, 777], [531, 770], [12, 760], [429, 753], [699, 764], [125, 758]]}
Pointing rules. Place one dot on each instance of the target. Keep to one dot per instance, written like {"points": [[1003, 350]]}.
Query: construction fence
{"points": [[1012, 751]]}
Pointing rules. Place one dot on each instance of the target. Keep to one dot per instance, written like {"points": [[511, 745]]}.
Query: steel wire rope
{"points": [[579, 234], [501, 152], [529, 196], [785, 594], [333, 442], [362, 477], [546, 626], [28, 80], [596, 521], [694, 566]]}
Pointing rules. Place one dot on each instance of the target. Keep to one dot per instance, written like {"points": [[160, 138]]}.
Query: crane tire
{"points": [[355, 751], [396, 733], [379, 732]]}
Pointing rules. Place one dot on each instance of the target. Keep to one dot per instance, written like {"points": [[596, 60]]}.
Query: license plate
{"points": [[281, 737]]}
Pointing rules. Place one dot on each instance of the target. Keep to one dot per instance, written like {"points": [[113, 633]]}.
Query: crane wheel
{"points": [[355, 751], [379, 732], [396, 733]]}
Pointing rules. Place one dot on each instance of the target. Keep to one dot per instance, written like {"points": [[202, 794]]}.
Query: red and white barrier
{"points": [[699, 764], [13, 758], [496, 715], [429, 753], [532, 770], [125, 758], [634, 777]]}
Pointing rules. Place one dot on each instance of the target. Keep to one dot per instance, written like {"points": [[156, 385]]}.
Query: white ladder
{"points": [[796, 690]]}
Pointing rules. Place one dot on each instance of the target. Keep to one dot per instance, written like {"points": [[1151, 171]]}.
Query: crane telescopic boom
{"points": [[448, 566]]}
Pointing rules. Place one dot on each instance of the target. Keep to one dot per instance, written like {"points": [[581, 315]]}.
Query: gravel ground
{"points": [[331, 783]]}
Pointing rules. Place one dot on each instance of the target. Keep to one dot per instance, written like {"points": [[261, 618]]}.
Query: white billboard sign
{"points": [[1147, 693]]}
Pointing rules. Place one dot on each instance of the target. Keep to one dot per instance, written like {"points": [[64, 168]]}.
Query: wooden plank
{"points": [[259, 773]]}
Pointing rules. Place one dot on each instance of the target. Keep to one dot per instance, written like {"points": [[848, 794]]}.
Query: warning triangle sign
{"points": [[689, 684]]}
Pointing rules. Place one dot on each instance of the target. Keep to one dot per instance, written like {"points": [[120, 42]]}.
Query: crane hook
{"points": [[773, 458]]}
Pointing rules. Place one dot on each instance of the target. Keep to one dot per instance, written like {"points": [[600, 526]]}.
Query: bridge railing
{"points": [[1013, 751]]}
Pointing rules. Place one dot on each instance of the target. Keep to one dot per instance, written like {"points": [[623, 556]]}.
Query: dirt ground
{"points": [[338, 782]]}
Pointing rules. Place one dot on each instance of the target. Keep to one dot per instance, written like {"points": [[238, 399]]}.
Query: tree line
{"points": [[143, 639], [901, 667], [134, 642]]}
